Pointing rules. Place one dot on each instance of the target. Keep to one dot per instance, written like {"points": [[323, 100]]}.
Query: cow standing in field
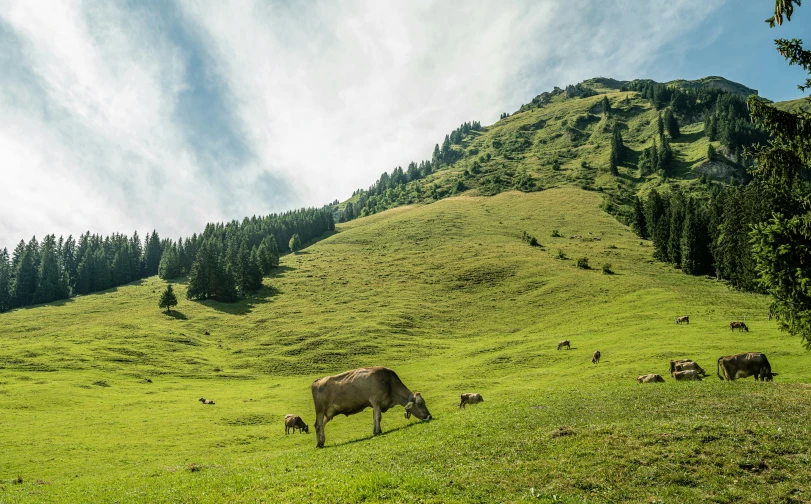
{"points": [[650, 378], [564, 343], [293, 422], [595, 359], [470, 399], [740, 326], [745, 365], [683, 320], [689, 375], [353, 391]]}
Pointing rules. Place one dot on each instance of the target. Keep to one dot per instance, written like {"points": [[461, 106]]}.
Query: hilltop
{"points": [[98, 394]]}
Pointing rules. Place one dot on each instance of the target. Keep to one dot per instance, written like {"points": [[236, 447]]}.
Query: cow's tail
{"points": [[718, 369]]}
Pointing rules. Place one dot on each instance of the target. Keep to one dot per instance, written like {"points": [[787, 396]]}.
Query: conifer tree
{"points": [[660, 127], [5, 281], [638, 223], [295, 243], [677, 210], [169, 266], [25, 274], [51, 284], [671, 124], [605, 105], [168, 299]]}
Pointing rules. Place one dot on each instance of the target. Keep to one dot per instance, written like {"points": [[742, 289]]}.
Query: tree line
{"points": [[223, 262]]}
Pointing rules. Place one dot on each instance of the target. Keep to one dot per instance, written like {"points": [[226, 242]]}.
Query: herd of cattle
{"points": [[381, 389]]}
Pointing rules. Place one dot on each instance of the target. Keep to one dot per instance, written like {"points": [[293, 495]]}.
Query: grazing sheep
{"points": [[206, 401], [469, 398], [595, 359], [564, 343]]}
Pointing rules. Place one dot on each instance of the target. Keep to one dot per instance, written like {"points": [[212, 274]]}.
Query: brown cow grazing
{"points": [[353, 391], [740, 326], [684, 319], [293, 422], [687, 366], [470, 399], [206, 401], [689, 375], [745, 365], [595, 359], [650, 378], [564, 343]]}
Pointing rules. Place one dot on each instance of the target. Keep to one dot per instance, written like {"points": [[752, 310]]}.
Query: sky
{"points": [[168, 114]]}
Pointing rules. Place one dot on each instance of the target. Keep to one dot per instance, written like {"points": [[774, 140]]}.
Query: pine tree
{"points": [[169, 266], [660, 127], [152, 254], [51, 283], [617, 150], [168, 299], [295, 243], [605, 105], [25, 274], [638, 223], [677, 211], [671, 124], [711, 154], [5, 282]]}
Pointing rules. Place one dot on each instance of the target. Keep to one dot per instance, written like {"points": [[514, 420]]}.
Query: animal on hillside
{"points": [[470, 398], [293, 422], [745, 365], [353, 391], [595, 359], [684, 319], [649, 378], [206, 401], [564, 343], [687, 366], [740, 326], [689, 375], [673, 363]]}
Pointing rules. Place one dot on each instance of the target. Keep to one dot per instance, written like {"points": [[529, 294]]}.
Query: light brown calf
{"points": [[650, 378], [293, 422], [564, 343], [689, 375], [470, 398]]}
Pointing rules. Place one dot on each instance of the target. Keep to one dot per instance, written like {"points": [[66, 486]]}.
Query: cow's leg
{"points": [[378, 415], [320, 421]]}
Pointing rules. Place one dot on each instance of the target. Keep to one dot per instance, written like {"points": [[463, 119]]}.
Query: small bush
{"points": [[556, 234], [607, 269], [561, 255], [583, 263], [533, 242]]}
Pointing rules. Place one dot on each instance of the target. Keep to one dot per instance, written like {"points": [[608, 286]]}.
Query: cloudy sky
{"points": [[117, 116]]}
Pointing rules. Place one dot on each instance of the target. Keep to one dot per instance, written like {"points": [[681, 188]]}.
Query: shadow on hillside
{"points": [[176, 315], [371, 436], [688, 138], [244, 305], [280, 271]]}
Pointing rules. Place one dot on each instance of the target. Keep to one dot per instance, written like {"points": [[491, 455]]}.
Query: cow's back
{"points": [[352, 391]]}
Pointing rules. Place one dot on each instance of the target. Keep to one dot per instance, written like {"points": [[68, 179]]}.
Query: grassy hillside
{"points": [[98, 395]]}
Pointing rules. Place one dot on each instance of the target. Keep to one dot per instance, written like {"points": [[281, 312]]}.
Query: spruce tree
{"points": [[671, 124], [605, 105], [25, 275], [169, 266], [677, 211], [660, 127], [295, 243], [638, 223], [51, 284], [168, 299], [5, 281]]}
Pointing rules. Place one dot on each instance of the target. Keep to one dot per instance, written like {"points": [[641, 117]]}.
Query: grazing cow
{"points": [[353, 391], [470, 399], [650, 378], [740, 326], [685, 319], [687, 366], [564, 343], [595, 359], [745, 365], [206, 401], [689, 375], [293, 422]]}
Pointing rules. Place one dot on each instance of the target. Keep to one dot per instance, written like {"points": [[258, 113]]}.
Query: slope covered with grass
{"points": [[99, 395]]}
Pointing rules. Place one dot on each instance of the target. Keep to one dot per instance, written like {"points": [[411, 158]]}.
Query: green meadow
{"points": [[99, 394]]}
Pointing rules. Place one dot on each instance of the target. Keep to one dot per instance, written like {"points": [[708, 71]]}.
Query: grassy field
{"points": [[99, 394]]}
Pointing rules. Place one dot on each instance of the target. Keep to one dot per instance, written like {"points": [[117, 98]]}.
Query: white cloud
{"points": [[326, 95]]}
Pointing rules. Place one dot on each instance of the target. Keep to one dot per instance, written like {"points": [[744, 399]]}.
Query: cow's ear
{"points": [[416, 394], [409, 405]]}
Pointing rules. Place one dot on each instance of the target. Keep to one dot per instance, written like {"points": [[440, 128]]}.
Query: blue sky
{"points": [[168, 114]]}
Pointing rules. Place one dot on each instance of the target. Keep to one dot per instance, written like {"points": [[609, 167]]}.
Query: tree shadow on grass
{"points": [[176, 315], [245, 305], [372, 436]]}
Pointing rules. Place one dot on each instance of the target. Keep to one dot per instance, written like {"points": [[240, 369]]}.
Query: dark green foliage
{"points": [[617, 151], [665, 159], [677, 213], [639, 224], [583, 263], [168, 299], [711, 153], [169, 266], [5, 282], [295, 243], [561, 255], [657, 218], [607, 269], [152, 253], [533, 242], [660, 127], [556, 233], [695, 242], [605, 106], [671, 124]]}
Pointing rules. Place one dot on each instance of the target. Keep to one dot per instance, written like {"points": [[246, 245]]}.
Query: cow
{"points": [[353, 391], [674, 363], [470, 399], [745, 365], [687, 366], [683, 319], [293, 422], [689, 375], [595, 359], [740, 326], [649, 378], [206, 401], [564, 343]]}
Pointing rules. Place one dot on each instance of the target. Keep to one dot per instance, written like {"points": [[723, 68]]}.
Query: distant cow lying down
{"points": [[564, 343], [740, 326], [689, 375], [206, 401], [683, 320], [686, 365], [649, 378], [745, 365], [293, 422], [468, 398]]}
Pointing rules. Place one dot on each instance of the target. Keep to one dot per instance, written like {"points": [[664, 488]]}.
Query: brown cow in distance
{"points": [[674, 363], [353, 391], [745, 365], [469, 398], [206, 401], [293, 422], [690, 375], [740, 326], [683, 320], [650, 378], [564, 343], [687, 366], [595, 359]]}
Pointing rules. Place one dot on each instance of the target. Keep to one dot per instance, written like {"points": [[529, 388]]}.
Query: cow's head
{"points": [[416, 406], [769, 376], [306, 428]]}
